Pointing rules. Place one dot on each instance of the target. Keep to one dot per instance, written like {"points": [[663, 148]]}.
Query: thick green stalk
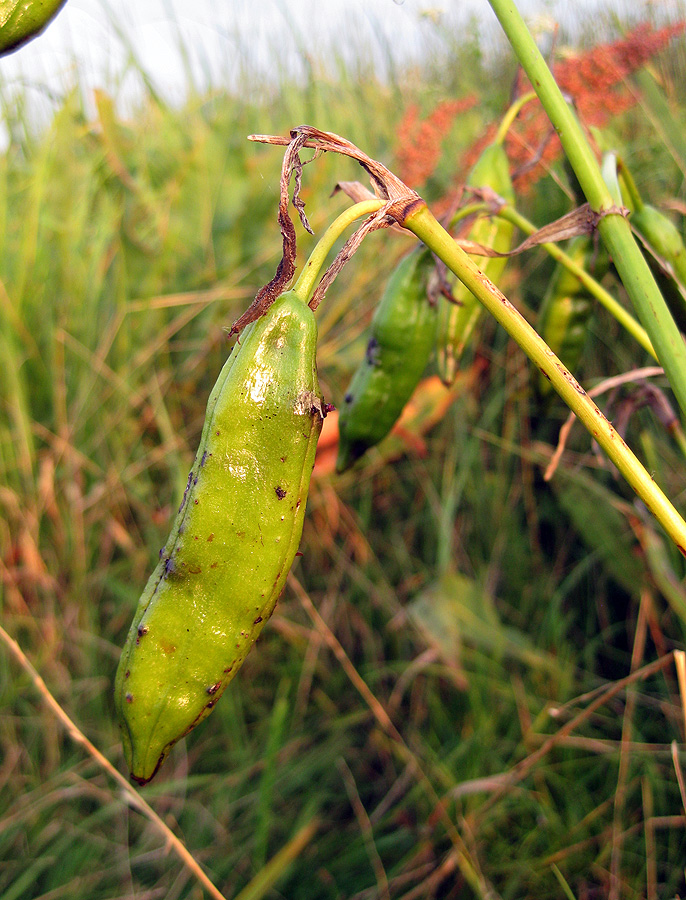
{"points": [[614, 229], [305, 283], [422, 223], [625, 319]]}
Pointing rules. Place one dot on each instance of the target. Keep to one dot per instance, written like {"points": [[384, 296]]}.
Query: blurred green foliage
{"points": [[475, 600]]}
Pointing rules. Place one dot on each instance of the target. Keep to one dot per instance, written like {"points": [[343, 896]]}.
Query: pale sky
{"points": [[220, 38]]}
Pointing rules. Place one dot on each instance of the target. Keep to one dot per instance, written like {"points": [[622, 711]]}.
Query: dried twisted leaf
{"points": [[400, 201], [292, 165], [582, 220], [387, 186]]}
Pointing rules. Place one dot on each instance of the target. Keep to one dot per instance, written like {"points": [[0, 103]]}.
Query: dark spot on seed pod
{"points": [[213, 688], [127, 673], [283, 459], [182, 528], [162, 551], [210, 538], [257, 620], [196, 538], [298, 553], [188, 484], [240, 534], [169, 566], [372, 353], [297, 505], [129, 698], [226, 671], [195, 570], [142, 629], [210, 704], [203, 459], [214, 565], [280, 493], [196, 502], [348, 398], [217, 433]]}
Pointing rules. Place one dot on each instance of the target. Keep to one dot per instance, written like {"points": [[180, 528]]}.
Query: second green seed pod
{"points": [[403, 332]]}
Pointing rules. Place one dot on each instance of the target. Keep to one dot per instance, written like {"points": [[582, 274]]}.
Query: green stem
{"points": [[468, 210], [613, 227], [422, 223], [304, 286], [608, 169], [625, 319], [627, 179], [511, 115]]}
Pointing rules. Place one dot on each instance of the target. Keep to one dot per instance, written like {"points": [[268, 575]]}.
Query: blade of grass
{"points": [[277, 726], [265, 880]]}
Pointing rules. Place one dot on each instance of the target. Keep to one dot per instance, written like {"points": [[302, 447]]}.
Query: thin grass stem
{"points": [[134, 798], [625, 319]]}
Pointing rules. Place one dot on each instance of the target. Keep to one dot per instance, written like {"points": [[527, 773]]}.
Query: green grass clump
{"points": [[451, 610]]}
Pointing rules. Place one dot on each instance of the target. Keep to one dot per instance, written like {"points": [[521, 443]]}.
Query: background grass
{"points": [[476, 602]]}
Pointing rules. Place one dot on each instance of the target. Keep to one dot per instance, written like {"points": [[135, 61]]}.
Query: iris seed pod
{"points": [[233, 540], [21, 20]]}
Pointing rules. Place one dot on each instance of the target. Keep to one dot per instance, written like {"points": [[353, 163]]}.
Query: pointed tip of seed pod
{"points": [[348, 454], [144, 765]]}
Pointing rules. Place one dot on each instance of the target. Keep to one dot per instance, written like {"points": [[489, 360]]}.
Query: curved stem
{"points": [[304, 286], [625, 319], [422, 223], [511, 115], [614, 229], [469, 210], [627, 179]]}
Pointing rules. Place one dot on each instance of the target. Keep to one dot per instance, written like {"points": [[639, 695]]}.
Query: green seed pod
{"points": [[660, 233], [21, 20], [457, 320], [567, 306], [233, 540], [403, 332]]}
